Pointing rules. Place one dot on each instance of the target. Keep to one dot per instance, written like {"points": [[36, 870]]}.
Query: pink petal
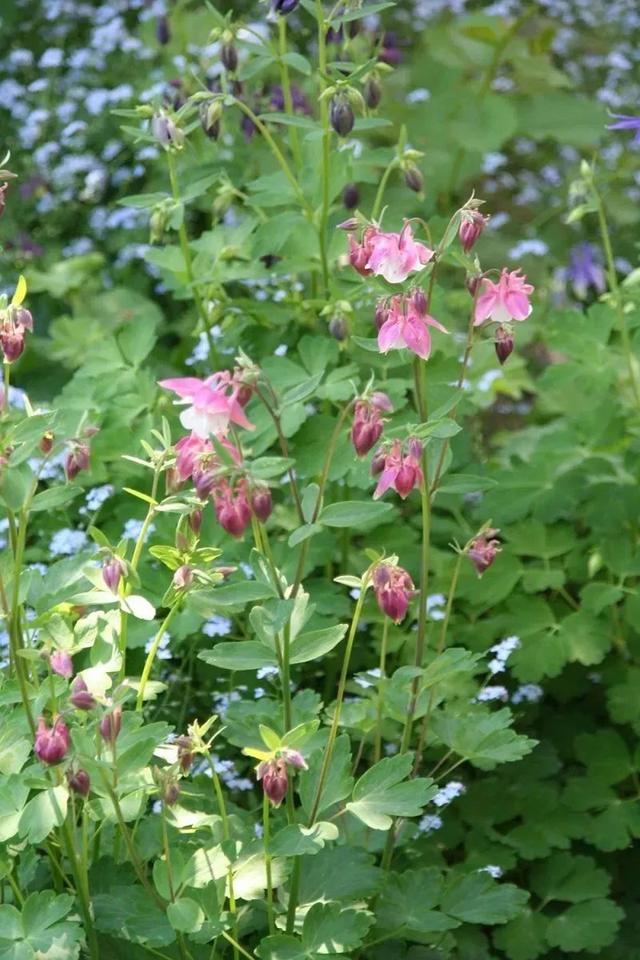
{"points": [[387, 479], [417, 338], [238, 416], [184, 386], [518, 305], [432, 322], [485, 303], [390, 336]]}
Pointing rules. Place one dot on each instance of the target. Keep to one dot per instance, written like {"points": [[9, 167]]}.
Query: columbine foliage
{"points": [[319, 585]]}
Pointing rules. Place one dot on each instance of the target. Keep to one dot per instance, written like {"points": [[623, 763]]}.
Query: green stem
{"points": [[424, 729], [377, 749], [333, 733], [188, 262], [267, 860], [226, 833], [135, 560], [326, 148], [7, 385], [278, 154], [151, 656], [382, 186], [284, 447], [82, 889], [286, 91], [614, 289], [425, 500]]}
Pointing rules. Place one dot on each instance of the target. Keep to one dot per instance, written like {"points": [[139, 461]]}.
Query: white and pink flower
{"points": [[395, 256], [211, 404], [506, 300], [404, 325]]}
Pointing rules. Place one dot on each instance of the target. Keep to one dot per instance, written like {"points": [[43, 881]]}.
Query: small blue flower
{"points": [[585, 269]]}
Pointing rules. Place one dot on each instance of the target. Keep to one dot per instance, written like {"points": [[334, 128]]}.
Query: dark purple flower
{"points": [[585, 269], [624, 122]]}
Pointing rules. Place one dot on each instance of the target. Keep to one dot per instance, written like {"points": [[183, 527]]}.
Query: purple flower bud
{"points": [[414, 179], [165, 131], [46, 442], [113, 570], [285, 6], [185, 753], [81, 698], [419, 299], [183, 577], [295, 759], [381, 314], [77, 459], [350, 198], [471, 226], [163, 32], [372, 92], [52, 743], [170, 792], [338, 328], [378, 462], [351, 224], [341, 116], [261, 503], [381, 401], [61, 663], [503, 343], [3, 199], [12, 341], [393, 588], [210, 113], [79, 782], [275, 781], [195, 521], [111, 724], [229, 57], [366, 429]]}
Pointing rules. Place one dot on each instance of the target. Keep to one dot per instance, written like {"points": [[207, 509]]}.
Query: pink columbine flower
{"points": [[212, 404], [275, 781], [232, 509], [393, 588], [483, 550], [396, 255], [506, 300], [400, 471], [61, 663], [367, 425], [51, 743], [406, 326]]}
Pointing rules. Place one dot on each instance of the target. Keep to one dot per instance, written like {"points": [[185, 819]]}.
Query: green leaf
{"points": [[185, 915], [478, 898], [380, 794], [296, 841], [328, 929], [355, 513], [586, 926], [43, 812], [242, 655], [409, 901], [524, 937], [315, 643], [564, 117], [482, 737], [338, 783], [564, 877]]}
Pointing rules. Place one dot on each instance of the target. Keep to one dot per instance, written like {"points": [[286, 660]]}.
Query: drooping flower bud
{"points": [[195, 521], [233, 511], [183, 577], [166, 132], [504, 343], [471, 226], [61, 663], [406, 478], [163, 31], [381, 314], [79, 782], [77, 459], [483, 550], [350, 198], [338, 327], [294, 758], [352, 223], [367, 427], [393, 588], [372, 91], [185, 753], [472, 283], [378, 462], [51, 743], [419, 300], [414, 179], [262, 503], [229, 57], [46, 442], [210, 112], [341, 115], [111, 724], [275, 781], [170, 792], [285, 6], [81, 697], [113, 570]]}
